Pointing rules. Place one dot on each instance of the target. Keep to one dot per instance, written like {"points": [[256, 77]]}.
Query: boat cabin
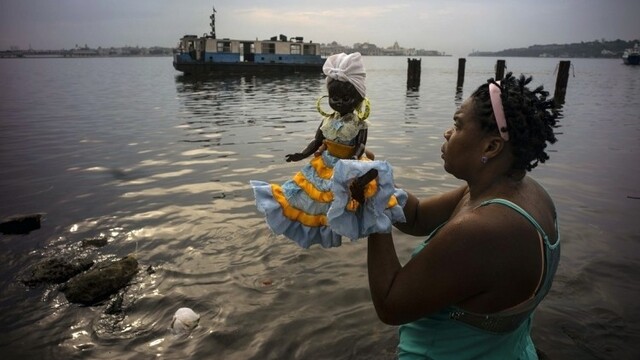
{"points": [[278, 50]]}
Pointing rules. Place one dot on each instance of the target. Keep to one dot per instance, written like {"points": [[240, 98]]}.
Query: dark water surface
{"points": [[159, 164]]}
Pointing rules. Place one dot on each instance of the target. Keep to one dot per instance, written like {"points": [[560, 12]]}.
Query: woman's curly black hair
{"points": [[531, 118]]}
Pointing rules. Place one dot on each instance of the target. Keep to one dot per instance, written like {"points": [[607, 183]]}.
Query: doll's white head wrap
{"points": [[349, 68]]}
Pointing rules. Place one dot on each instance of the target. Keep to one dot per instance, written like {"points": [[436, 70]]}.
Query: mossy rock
{"points": [[56, 271], [95, 242], [101, 281]]}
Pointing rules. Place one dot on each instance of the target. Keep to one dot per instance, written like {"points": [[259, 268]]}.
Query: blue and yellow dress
{"points": [[315, 206]]}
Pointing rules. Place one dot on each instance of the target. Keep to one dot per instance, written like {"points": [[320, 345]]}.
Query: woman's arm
{"points": [[383, 266], [452, 268], [423, 216]]}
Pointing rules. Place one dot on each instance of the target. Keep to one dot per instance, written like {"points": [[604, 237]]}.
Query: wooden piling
{"points": [[413, 74], [561, 82], [500, 66], [461, 64]]}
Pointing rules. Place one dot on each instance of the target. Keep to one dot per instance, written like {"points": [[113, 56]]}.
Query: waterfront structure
{"points": [[208, 54]]}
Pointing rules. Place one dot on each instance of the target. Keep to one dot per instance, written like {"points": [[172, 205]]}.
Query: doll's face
{"points": [[343, 97]]}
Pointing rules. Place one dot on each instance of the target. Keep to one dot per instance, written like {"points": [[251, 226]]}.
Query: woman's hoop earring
{"points": [[319, 109], [484, 159]]}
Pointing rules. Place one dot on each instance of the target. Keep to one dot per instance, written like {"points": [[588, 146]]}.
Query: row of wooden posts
{"points": [[413, 76]]}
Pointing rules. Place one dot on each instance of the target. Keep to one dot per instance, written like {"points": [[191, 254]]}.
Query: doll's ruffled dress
{"points": [[315, 206]]}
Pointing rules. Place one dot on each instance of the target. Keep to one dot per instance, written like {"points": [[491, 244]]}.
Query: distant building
{"points": [[333, 48], [368, 49], [373, 50], [84, 52], [395, 50]]}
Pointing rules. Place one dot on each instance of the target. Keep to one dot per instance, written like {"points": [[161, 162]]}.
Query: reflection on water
{"points": [[217, 106], [458, 99], [160, 167], [412, 106]]}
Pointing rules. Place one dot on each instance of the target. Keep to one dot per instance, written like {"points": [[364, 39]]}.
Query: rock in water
{"points": [[56, 271], [101, 281], [21, 224], [184, 321]]}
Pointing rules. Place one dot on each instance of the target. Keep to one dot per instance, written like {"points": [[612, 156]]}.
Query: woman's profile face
{"points": [[462, 149], [343, 97]]}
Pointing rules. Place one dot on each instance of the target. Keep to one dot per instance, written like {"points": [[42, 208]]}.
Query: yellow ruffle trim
{"points": [[294, 214], [321, 169], [311, 190]]}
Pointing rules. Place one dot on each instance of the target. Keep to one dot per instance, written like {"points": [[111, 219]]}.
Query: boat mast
{"points": [[213, 23]]}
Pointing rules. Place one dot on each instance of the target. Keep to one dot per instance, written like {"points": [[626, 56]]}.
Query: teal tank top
{"points": [[455, 334]]}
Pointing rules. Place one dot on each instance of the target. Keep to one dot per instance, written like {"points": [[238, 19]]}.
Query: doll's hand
{"points": [[294, 157], [358, 185], [320, 150]]}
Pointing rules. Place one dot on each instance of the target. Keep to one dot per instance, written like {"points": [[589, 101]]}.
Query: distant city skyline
{"points": [[452, 27], [98, 46]]}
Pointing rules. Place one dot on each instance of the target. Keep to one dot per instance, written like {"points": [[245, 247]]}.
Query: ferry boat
{"points": [[632, 56], [209, 55]]}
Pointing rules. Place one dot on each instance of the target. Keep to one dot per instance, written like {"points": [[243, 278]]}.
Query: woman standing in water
{"points": [[492, 248]]}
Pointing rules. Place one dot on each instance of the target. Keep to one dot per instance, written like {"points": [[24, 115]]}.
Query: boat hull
{"points": [[206, 68], [631, 59]]}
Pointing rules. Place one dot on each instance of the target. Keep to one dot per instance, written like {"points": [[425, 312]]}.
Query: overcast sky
{"points": [[452, 26]]}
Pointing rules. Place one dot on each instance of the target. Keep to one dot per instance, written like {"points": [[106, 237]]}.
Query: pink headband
{"points": [[498, 111]]}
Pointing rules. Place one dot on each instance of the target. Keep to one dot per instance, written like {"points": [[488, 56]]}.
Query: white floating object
{"points": [[184, 321]]}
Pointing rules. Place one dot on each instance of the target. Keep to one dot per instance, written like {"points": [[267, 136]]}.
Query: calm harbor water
{"points": [[159, 164]]}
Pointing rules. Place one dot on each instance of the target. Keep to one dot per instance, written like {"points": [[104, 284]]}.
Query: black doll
{"points": [[340, 126], [299, 207]]}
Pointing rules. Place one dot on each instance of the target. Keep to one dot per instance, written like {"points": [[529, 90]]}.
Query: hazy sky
{"points": [[455, 27]]}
